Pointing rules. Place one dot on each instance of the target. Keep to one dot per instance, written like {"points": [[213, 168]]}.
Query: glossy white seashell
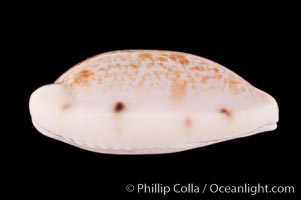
{"points": [[148, 102]]}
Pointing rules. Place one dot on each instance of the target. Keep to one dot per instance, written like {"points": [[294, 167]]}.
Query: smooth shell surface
{"points": [[148, 102]]}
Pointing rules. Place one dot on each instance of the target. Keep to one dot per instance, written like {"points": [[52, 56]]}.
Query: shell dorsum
{"points": [[148, 101]]}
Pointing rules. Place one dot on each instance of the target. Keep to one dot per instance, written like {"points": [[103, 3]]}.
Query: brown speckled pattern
{"points": [[149, 70]]}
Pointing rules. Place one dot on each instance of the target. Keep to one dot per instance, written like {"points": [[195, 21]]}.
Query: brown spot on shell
{"points": [[188, 125], [173, 57], [226, 111], [234, 84], [146, 56], [82, 77], [162, 59], [197, 68], [215, 69], [66, 106], [183, 60], [188, 122], [119, 106], [205, 78], [179, 58], [178, 89], [134, 66]]}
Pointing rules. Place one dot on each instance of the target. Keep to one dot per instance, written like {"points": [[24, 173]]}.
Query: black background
{"points": [[258, 45]]}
